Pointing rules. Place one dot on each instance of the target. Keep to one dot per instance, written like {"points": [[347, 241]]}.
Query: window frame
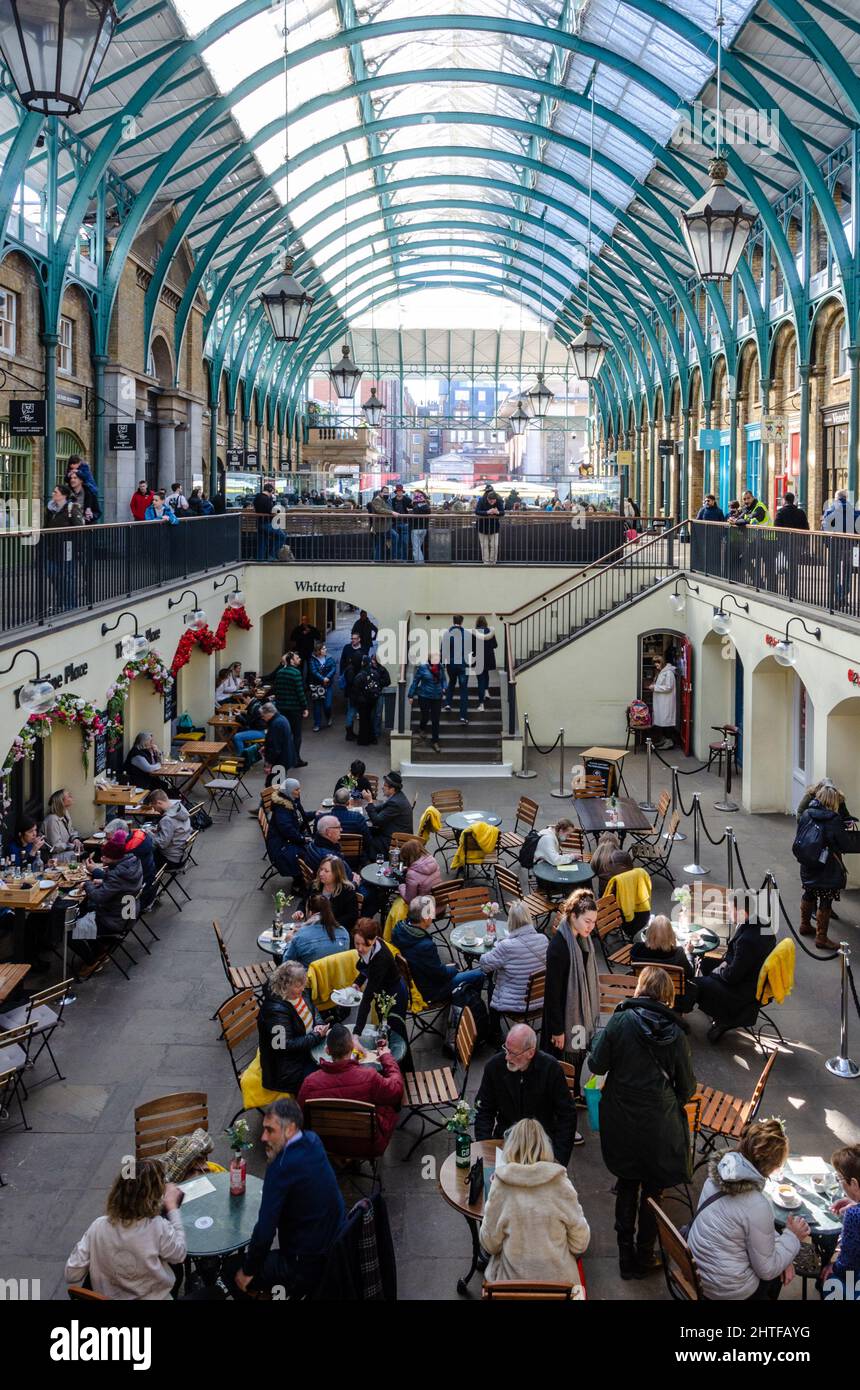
{"points": [[11, 298], [66, 347]]}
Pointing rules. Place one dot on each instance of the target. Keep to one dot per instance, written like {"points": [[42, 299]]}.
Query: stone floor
{"points": [[126, 1042]]}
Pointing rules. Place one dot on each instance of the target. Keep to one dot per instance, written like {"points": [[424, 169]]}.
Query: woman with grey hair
{"points": [[289, 1030], [143, 762], [513, 961]]}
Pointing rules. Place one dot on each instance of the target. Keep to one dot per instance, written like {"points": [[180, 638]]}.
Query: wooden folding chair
{"points": [[725, 1117], [675, 972], [399, 838], [447, 801], [373, 779], [592, 785], [442, 898], [533, 1010], [159, 1121], [306, 875], [679, 1267], [610, 920], [351, 848], [238, 1020], [614, 989], [654, 856], [223, 788], [240, 977], [348, 1130], [464, 905], [655, 834], [484, 866], [509, 890], [44, 1019], [428, 1095], [518, 1290], [511, 841], [14, 1056], [172, 871], [424, 1021]]}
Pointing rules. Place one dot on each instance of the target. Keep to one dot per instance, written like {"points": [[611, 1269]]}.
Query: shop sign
{"points": [[251, 459], [306, 586], [666, 448], [235, 458], [122, 437], [773, 429], [710, 439], [625, 458], [170, 706], [69, 398], [27, 418]]}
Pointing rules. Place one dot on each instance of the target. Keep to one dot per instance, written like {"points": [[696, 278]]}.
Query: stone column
{"points": [[166, 453], [121, 469]]}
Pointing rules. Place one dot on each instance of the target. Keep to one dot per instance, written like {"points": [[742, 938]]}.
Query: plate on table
{"points": [[785, 1196], [468, 941], [98, 835], [47, 883], [348, 998]]}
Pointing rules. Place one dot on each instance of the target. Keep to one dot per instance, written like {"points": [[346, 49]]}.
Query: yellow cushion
{"points": [[254, 1093]]}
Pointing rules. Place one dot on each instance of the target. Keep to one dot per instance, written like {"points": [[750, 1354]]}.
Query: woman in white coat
{"points": [[533, 1227], [663, 688]]}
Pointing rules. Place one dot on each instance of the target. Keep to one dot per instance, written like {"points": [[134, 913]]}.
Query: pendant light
{"points": [[54, 50], [716, 228], [373, 407], [519, 420], [587, 349], [286, 302], [540, 397]]}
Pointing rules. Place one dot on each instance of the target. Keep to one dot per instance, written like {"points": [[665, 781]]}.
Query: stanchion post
{"points": [[695, 867], [843, 1065], [676, 801], [525, 771], [727, 804], [730, 858], [562, 789], [647, 804]]}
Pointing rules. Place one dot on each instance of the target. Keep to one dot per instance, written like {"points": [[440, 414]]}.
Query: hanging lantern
{"points": [[54, 50], [345, 376], [587, 351], [287, 305], [37, 697], [196, 620], [134, 647], [373, 409], [540, 398], [717, 227], [721, 622], [519, 420], [235, 600]]}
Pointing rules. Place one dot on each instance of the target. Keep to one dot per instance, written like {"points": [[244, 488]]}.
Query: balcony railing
{"points": [[47, 575], [816, 568], [316, 536]]}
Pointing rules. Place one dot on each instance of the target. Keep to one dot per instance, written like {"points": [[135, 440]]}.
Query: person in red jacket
{"points": [[342, 1077], [140, 500]]}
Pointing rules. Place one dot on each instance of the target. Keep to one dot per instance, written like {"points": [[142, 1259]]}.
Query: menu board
{"points": [[606, 771], [170, 704], [99, 754]]}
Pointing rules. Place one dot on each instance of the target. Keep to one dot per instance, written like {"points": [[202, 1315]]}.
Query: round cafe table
{"points": [[396, 1044], [454, 1186], [267, 943], [709, 938], [464, 820], [228, 1221], [561, 877], [478, 930]]}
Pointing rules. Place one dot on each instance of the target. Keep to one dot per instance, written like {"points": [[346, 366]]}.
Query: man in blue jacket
{"points": [[352, 822], [301, 1204], [709, 511]]}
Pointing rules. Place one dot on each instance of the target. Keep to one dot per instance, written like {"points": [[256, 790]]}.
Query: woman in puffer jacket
{"points": [[422, 871], [732, 1236], [824, 880]]}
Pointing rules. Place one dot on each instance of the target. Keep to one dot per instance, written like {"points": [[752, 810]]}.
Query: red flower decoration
{"points": [[207, 640]]}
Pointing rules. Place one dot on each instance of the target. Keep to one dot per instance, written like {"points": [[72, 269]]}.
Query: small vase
{"points": [[462, 1148]]}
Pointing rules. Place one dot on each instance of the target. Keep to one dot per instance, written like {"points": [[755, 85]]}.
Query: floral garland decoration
{"points": [[207, 640], [150, 666]]}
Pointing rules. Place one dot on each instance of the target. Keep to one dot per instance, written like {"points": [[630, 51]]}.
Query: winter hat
{"points": [[114, 847], [393, 779], [290, 786]]}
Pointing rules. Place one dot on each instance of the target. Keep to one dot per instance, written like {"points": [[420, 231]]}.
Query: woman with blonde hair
{"points": [[658, 945], [644, 1133], [601, 860], [732, 1236], [288, 1029], [61, 837], [512, 962], [533, 1227], [128, 1253], [572, 999], [822, 837]]}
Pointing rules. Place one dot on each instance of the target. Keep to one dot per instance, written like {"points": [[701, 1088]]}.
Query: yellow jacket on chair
{"points": [[776, 977], [254, 1093], [430, 822], [632, 892], [484, 836], [331, 972]]}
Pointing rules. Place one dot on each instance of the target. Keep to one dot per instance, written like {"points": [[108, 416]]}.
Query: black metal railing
{"points": [[628, 573], [816, 568], [45, 575], [317, 536]]}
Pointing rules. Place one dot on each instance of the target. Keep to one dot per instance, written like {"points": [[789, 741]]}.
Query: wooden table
{"points": [[204, 754], [615, 756], [10, 977], [22, 902], [454, 1186], [120, 796], [593, 812], [224, 723]]}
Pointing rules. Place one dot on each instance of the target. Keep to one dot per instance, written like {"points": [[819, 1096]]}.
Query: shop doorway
{"points": [[675, 649], [802, 742]]}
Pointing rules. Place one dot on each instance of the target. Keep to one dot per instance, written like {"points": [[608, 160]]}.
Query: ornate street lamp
{"points": [[287, 305], [54, 50], [373, 409], [519, 420], [588, 351], [540, 397], [345, 376]]}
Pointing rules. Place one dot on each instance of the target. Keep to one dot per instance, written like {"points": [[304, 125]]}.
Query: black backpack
{"points": [[528, 849], [809, 842]]}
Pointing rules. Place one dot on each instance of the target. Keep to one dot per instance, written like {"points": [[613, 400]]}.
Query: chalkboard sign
{"points": [[606, 771], [170, 704], [99, 754]]}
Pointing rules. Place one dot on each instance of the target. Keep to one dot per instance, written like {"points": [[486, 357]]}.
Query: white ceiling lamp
{"points": [[286, 302], [133, 647], [35, 696], [717, 227], [196, 619], [587, 349], [721, 622]]}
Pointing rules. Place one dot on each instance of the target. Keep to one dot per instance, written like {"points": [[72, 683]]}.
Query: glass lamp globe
{"points": [[37, 697], [133, 648], [197, 620], [236, 599], [721, 622], [785, 653], [677, 603]]}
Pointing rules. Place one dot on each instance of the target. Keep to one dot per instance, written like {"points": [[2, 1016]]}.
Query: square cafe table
{"points": [[593, 813], [614, 756], [10, 977], [204, 754]]}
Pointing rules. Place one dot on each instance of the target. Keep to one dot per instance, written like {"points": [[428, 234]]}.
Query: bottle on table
{"points": [[238, 1174]]}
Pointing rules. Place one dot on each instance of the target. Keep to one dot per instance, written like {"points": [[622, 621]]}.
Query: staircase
{"points": [[604, 588], [479, 741]]}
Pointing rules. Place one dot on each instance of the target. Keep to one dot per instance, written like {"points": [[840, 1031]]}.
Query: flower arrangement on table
{"points": [[683, 897], [239, 1135], [384, 1005], [459, 1125], [490, 909]]}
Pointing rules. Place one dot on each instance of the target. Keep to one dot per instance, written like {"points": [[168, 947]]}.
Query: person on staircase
{"points": [[822, 838], [428, 688]]}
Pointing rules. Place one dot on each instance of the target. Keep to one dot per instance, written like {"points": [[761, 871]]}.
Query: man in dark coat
{"points": [[727, 991], [644, 1132], [393, 812], [264, 506], [789, 514], [521, 1083], [352, 822], [365, 628], [279, 753], [350, 664], [791, 552]]}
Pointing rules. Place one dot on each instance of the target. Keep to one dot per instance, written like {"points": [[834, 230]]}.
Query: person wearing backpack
{"points": [[366, 690], [821, 837]]}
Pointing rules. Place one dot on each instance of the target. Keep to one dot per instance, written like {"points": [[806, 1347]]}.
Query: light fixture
{"points": [[54, 50], [540, 397], [721, 622], [345, 376], [678, 602], [373, 409], [37, 696], [785, 651], [196, 619], [236, 598], [716, 228], [587, 349], [133, 647], [519, 420], [286, 302]]}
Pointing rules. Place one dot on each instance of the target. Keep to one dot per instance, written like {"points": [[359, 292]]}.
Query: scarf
{"points": [[582, 999], [304, 1012]]}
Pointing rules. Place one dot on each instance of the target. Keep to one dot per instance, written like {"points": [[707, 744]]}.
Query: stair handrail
{"points": [[585, 576]]}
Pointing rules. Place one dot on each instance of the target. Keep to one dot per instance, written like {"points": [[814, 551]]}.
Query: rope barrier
{"points": [[740, 865], [853, 989], [682, 771], [708, 835], [813, 955], [535, 744]]}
